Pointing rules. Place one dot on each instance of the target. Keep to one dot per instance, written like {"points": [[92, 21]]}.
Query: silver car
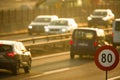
{"points": [[61, 25]]}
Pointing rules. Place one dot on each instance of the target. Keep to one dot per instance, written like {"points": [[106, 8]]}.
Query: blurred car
{"points": [[37, 26], [102, 17], [116, 32], [85, 41], [61, 25], [13, 56]]}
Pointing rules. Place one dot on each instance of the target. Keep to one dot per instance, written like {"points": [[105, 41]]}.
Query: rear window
{"points": [[4, 48], [100, 13], [84, 34], [117, 25], [42, 20]]}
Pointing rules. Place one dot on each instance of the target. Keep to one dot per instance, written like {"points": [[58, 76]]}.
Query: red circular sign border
{"points": [[116, 59]]}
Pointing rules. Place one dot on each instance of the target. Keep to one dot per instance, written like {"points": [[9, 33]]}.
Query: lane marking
{"points": [[56, 54], [49, 72], [114, 78]]}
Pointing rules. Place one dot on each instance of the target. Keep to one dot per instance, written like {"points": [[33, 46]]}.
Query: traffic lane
{"points": [[83, 72], [84, 69], [46, 64], [55, 66], [57, 62]]}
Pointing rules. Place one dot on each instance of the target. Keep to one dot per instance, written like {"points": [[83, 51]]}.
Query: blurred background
{"points": [[16, 15]]}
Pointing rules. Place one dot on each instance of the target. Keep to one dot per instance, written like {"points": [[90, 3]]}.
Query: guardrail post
{"points": [[47, 37], [33, 40]]}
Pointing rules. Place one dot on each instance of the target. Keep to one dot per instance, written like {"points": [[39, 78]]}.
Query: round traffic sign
{"points": [[106, 58]]}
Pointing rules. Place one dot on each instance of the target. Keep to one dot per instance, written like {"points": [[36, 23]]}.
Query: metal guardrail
{"points": [[47, 39]]}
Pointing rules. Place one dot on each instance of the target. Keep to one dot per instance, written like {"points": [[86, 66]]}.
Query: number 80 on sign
{"points": [[106, 58]]}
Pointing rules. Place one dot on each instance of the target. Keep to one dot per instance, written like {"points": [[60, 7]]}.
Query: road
{"points": [[59, 67]]}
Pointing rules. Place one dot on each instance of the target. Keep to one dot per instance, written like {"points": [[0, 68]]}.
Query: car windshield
{"points": [[84, 34], [117, 26], [5, 48], [42, 20], [59, 22], [100, 13]]}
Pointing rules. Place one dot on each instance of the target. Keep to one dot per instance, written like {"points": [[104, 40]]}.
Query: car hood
{"points": [[34, 23], [57, 27]]}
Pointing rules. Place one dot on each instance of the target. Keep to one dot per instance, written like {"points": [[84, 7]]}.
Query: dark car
{"points": [[13, 56], [85, 41]]}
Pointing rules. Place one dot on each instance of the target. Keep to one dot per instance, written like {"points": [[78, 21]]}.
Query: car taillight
{"points": [[11, 54], [95, 43], [112, 34], [71, 42]]}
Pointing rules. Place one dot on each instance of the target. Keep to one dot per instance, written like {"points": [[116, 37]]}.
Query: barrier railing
{"points": [[49, 39]]}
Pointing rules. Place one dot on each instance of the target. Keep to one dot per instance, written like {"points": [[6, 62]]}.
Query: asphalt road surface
{"points": [[59, 66]]}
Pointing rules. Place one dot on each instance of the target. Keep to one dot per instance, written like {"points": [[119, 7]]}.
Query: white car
{"points": [[116, 33], [100, 17], [37, 26], [14, 56], [61, 25]]}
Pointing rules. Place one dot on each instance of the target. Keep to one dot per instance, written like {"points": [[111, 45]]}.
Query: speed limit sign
{"points": [[106, 58]]}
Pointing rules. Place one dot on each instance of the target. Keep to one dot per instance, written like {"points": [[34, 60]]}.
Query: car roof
{"points": [[7, 42], [100, 32], [46, 16], [65, 19], [86, 28], [117, 19], [102, 10]]}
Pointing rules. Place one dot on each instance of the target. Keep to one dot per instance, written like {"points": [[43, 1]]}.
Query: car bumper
{"points": [[7, 64], [83, 51]]}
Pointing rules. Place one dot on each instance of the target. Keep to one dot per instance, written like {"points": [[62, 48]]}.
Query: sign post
{"points": [[106, 58]]}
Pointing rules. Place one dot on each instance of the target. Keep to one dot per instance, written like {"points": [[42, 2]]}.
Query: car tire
{"points": [[28, 67], [16, 69], [114, 45]]}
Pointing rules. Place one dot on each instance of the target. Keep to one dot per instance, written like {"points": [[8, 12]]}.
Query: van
{"points": [[85, 41], [116, 33]]}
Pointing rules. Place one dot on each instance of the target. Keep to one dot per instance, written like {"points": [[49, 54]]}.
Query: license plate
{"points": [[83, 44]]}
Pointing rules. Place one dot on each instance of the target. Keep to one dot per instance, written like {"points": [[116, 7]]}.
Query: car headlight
{"points": [[46, 29], [63, 30], [105, 18], [30, 27], [89, 18]]}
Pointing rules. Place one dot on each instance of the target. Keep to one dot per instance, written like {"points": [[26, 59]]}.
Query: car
{"points": [[37, 25], [85, 41], [61, 25], [101, 17], [116, 32], [14, 56]]}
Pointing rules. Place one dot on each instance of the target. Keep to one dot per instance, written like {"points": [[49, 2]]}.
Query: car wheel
{"points": [[16, 69], [27, 67], [72, 55], [114, 45]]}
